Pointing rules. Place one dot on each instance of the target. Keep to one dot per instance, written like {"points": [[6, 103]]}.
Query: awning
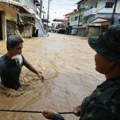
{"points": [[29, 10], [30, 13], [15, 3], [100, 20], [59, 20]]}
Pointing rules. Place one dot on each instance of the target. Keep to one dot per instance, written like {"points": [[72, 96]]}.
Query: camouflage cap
{"points": [[108, 43]]}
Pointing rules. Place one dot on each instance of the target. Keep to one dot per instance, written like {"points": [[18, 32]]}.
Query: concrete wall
{"points": [[102, 9], [27, 33], [9, 13]]}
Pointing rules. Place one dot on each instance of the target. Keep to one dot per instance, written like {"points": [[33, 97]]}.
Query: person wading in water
{"points": [[12, 63]]}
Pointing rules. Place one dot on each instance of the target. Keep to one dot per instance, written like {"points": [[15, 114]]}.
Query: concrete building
{"points": [[8, 17], [22, 15], [30, 21], [90, 10]]}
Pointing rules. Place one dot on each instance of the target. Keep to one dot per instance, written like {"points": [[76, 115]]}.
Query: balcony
{"points": [[89, 12]]}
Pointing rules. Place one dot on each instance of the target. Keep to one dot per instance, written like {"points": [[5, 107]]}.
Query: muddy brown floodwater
{"points": [[67, 63]]}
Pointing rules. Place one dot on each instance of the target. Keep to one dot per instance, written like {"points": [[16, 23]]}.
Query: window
{"points": [[76, 18], [109, 4]]}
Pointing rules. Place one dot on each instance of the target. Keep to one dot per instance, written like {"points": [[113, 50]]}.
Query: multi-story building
{"points": [[19, 15], [30, 21], [90, 10]]}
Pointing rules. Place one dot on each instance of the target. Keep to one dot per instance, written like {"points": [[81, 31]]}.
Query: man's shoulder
{"points": [[3, 58]]}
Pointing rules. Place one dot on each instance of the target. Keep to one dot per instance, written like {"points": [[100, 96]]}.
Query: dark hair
{"points": [[13, 41]]}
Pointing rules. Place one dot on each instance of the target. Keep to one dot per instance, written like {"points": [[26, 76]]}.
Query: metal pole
{"points": [[41, 8], [48, 12], [48, 9], [29, 111], [114, 11]]}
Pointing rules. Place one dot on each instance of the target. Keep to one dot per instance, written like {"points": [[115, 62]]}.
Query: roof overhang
{"points": [[81, 1], [30, 12], [59, 20], [34, 15], [99, 20], [15, 3]]}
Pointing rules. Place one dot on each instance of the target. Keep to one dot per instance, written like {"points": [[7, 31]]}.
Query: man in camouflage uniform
{"points": [[104, 102]]}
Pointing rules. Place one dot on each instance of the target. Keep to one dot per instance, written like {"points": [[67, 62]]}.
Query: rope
{"points": [[29, 111]]}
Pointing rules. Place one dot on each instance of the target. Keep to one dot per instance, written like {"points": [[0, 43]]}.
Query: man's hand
{"points": [[77, 111], [39, 74], [49, 114]]}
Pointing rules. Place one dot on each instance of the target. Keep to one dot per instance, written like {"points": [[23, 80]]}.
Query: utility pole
{"points": [[48, 11], [114, 11], [41, 5], [97, 9]]}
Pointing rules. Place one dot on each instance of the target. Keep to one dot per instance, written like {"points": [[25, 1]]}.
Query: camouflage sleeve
{"points": [[95, 111], [58, 117], [115, 106], [0, 72]]}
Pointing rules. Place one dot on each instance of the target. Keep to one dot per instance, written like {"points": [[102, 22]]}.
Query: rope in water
{"points": [[29, 111]]}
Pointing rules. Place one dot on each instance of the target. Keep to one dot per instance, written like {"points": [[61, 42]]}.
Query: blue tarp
{"points": [[41, 31]]}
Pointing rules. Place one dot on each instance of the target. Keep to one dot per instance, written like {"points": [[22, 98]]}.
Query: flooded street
{"points": [[67, 63]]}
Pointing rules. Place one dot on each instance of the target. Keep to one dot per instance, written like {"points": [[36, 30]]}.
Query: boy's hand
{"points": [[49, 114], [77, 111], [41, 76]]}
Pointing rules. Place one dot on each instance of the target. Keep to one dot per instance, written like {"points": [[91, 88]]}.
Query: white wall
{"points": [[10, 13], [29, 4], [102, 9]]}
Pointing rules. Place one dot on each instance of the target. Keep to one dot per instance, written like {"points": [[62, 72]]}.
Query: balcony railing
{"points": [[93, 11]]}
